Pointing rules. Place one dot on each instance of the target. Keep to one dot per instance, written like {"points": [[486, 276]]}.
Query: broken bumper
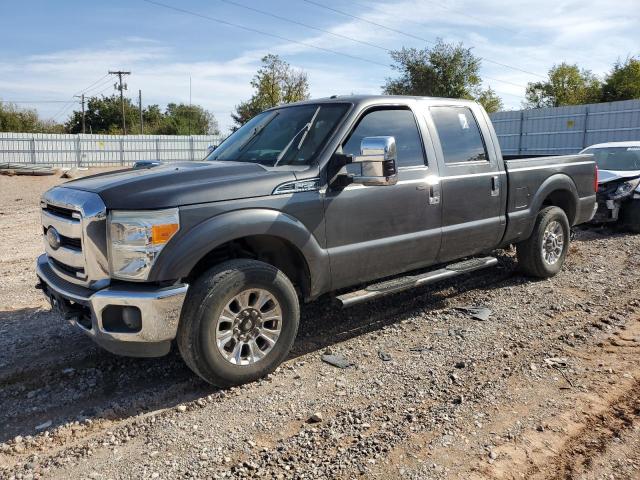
{"points": [[127, 319]]}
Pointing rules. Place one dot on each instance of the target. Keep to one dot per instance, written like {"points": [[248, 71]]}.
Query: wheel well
{"points": [[563, 199], [275, 251]]}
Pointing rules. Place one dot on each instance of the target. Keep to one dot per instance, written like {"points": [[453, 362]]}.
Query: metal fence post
{"points": [[78, 151], [121, 150], [32, 147], [158, 149], [192, 152], [520, 132], [584, 131]]}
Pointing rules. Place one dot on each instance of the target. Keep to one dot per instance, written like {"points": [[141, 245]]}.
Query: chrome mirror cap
{"points": [[378, 160]]}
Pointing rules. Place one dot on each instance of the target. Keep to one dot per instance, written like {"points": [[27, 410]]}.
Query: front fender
{"points": [[184, 251]]}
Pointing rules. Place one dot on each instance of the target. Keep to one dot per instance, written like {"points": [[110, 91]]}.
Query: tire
{"points": [[631, 216], [530, 252], [203, 327]]}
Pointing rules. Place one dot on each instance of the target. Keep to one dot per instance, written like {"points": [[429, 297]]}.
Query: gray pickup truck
{"points": [[355, 196]]}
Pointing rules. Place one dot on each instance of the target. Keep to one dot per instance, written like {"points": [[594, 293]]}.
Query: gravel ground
{"points": [[547, 387]]}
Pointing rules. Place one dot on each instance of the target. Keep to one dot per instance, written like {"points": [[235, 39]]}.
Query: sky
{"points": [[53, 50]]}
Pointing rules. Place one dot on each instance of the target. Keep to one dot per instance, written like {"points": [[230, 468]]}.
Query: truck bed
{"points": [[527, 186]]}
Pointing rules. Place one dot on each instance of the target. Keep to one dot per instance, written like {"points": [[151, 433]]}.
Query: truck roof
{"points": [[390, 99]]}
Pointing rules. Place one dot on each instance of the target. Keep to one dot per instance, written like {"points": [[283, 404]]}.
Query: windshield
{"points": [[616, 158], [285, 136]]}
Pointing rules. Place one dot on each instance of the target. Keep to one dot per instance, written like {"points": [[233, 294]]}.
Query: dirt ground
{"points": [[547, 387]]}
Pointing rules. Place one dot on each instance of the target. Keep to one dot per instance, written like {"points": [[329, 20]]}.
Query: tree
{"points": [[22, 120], [181, 119], [104, 115], [566, 85], [623, 82], [489, 100], [275, 83], [444, 70]]}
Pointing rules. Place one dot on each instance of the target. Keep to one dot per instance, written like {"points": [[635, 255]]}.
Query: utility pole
{"points": [[81, 97], [190, 111], [120, 86], [140, 111]]}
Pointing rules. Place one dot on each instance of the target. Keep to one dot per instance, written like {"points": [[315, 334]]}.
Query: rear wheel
{"points": [[543, 253], [239, 322]]}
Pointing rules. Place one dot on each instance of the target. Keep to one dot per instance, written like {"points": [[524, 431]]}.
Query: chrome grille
{"points": [[79, 253]]}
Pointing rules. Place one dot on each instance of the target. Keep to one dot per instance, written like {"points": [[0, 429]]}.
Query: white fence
{"points": [[564, 130], [100, 150]]}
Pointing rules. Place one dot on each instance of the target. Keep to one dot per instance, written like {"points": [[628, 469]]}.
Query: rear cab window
{"points": [[459, 134]]}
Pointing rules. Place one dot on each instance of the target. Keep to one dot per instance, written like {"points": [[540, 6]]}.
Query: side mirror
{"points": [[378, 160]]}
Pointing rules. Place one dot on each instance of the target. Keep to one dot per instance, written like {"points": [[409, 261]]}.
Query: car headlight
{"points": [[625, 189], [136, 238]]}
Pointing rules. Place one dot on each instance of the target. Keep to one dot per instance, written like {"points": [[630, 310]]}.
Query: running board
{"points": [[399, 284]]}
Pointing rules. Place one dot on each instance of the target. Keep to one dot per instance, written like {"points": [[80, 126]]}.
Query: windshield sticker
{"points": [[633, 149], [462, 118]]}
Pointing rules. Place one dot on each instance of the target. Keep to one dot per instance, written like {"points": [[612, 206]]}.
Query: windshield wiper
{"points": [[305, 130]]}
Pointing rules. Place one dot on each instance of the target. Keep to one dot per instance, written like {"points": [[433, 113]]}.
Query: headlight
{"points": [[625, 189], [137, 238]]}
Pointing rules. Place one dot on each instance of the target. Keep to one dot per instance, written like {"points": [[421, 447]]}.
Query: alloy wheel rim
{"points": [[249, 326], [552, 242]]}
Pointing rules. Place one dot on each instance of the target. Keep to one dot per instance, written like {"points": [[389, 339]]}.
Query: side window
{"points": [[398, 123], [459, 134]]}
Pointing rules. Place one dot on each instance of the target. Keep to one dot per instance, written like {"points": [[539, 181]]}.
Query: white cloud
{"points": [[531, 37]]}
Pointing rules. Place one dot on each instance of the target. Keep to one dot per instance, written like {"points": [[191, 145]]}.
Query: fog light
{"points": [[132, 318], [121, 319]]}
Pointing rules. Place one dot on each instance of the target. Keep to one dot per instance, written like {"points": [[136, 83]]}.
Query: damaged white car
{"points": [[618, 183]]}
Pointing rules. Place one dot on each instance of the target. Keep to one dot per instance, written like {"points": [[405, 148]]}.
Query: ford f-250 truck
{"points": [[358, 196]]}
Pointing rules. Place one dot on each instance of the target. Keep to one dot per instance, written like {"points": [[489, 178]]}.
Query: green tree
{"points": [[104, 115], [181, 119], [25, 120], [566, 85], [489, 100], [444, 70], [623, 82], [275, 83]]}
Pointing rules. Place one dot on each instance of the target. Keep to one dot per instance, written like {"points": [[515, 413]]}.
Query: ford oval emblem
{"points": [[53, 237]]}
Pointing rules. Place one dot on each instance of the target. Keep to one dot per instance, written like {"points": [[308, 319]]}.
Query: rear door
{"points": [[472, 180]]}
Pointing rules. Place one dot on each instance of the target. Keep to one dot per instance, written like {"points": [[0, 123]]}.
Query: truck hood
{"points": [[185, 183], [606, 176]]}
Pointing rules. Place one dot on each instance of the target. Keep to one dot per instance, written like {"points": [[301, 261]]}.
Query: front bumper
{"points": [[159, 312]]}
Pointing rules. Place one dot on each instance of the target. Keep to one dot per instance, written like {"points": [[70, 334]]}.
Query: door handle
{"points": [[495, 186], [434, 194]]}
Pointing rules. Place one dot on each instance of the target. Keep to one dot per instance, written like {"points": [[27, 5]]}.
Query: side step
{"points": [[399, 284]]}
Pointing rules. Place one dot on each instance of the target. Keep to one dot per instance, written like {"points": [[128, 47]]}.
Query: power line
{"points": [[261, 32], [84, 90], [295, 22], [231, 2], [400, 32], [34, 101]]}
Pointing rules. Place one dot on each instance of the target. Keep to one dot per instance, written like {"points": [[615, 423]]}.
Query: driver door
{"points": [[377, 231]]}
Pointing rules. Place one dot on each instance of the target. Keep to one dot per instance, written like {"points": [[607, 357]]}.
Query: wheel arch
{"points": [[268, 235]]}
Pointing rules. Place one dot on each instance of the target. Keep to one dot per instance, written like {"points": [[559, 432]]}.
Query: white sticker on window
{"points": [[464, 123], [633, 149]]}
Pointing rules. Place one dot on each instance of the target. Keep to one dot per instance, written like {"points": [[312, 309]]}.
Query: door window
{"points": [[398, 123], [459, 134]]}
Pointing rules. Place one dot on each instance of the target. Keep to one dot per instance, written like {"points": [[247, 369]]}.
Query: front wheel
{"points": [[239, 322], [543, 253]]}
